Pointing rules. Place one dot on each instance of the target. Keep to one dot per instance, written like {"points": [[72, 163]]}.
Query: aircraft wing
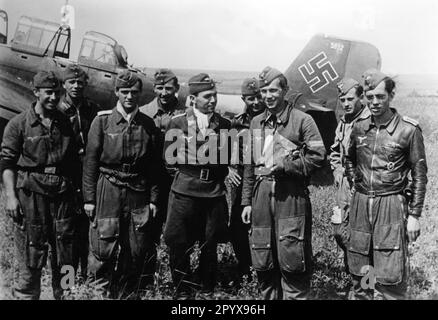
{"points": [[15, 96]]}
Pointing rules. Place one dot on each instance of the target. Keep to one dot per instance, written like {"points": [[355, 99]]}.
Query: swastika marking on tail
{"points": [[318, 72]]}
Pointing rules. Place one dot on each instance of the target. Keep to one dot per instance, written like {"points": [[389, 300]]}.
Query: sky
{"points": [[247, 35]]}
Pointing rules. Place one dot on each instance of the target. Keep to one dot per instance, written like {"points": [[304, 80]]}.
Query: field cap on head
{"points": [[46, 79], [267, 75], [73, 71], [250, 87], [127, 79], [200, 82], [346, 85], [163, 76], [372, 78]]}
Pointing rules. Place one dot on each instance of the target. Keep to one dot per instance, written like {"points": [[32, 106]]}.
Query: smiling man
{"points": [[350, 96], [121, 190], [384, 149], [197, 205], [39, 163], [275, 193]]}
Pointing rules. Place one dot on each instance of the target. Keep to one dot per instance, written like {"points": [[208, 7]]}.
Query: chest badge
{"points": [[390, 166], [113, 135]]}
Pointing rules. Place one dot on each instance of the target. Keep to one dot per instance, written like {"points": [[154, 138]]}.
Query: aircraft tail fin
{"points": [[324, 61]]}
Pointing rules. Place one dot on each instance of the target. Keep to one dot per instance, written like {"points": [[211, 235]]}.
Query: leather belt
{"points": [[377, 193], [123, 167], [202, 173], [47, 170]]}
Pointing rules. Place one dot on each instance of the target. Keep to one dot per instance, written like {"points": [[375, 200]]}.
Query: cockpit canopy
{"points": [[3, 27], [101, 51], [41, 38]]}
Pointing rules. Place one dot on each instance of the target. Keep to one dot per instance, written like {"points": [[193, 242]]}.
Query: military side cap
{"points": [[372, 78], [200, 82], [346, 85], [267, 75], [162, 76], [250, 87], [127, 79], [73, 71], [46, 79]]}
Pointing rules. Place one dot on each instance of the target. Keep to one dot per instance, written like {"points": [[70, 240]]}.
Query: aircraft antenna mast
{"points": [[68, 15]]}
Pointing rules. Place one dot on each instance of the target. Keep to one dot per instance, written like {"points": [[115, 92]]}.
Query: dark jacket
{"points": [[342, 140], [182, 147], [44, 158], [80, 116], [299, 129], [125, 153], [241, 123], [379, 159]]}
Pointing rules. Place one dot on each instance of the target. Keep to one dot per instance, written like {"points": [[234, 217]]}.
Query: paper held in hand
{"points": [[276, 148]]}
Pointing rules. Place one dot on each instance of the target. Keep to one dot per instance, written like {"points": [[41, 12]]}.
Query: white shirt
{"points": [[202, 120], [126, 116]]}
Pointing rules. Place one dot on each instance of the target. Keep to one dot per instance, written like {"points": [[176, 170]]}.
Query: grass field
{"points": [[329, 280]]}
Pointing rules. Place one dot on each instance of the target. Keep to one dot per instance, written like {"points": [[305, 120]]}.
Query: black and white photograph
{"points": [[230, 150]]}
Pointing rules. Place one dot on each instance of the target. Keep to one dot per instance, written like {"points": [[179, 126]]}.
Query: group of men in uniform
{"points": [[94, 189]]}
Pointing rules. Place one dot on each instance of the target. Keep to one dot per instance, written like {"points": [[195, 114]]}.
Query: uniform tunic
{"points": [[281, 211], [197, 205], [379, 160], [119, 178], [337, 162], [45, 160], [81, 115]]}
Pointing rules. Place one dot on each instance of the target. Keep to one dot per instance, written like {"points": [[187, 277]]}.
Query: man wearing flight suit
{"points": [[383, 150], [238, 230], [287, 149], [81, 111], [161, 110], [197, 205], [38, 164], [120, 190], [350, 96]]}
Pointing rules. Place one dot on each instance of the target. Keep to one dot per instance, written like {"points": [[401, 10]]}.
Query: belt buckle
{"points": [[371, 194], [204, 174], [50, 170], [126, 167]]}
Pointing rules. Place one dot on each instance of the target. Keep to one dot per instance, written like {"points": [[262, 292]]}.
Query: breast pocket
{"points": [[139, 142], [112, 146], [392, 151], [35, 148]]}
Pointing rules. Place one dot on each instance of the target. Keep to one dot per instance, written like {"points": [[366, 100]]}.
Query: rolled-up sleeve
{"points": [[11, 146]]}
